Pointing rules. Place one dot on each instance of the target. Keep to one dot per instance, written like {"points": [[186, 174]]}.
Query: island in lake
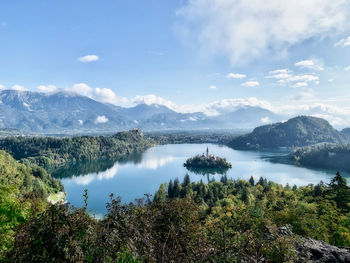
{"points": [[207, 161]]}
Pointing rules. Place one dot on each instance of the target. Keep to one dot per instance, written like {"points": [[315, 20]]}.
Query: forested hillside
{"points": [[48, 151], [296, 132], [226, 221], [23, 190], [324, 155]]}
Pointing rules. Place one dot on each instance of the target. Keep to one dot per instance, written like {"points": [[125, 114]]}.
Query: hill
{"points": [[226, 221], [23, 189], [4, 132], [324, 155], [296, 132], [51, 151]]}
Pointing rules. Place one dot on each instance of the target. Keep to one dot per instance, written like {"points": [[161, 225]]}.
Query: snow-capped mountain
{"points": [[64, 112]]}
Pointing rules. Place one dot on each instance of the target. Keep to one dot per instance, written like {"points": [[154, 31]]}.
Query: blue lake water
{"points": [[143, 173]]}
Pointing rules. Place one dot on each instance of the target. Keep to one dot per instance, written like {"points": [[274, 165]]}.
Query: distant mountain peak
{"points": [[64, 111]]}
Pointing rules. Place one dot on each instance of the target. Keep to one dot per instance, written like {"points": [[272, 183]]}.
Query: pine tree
{"points": [[176, 189], [186, 181], [251, 181], [160, 196], [262, 181], [170, 189], [340, 192], [223, 179]]}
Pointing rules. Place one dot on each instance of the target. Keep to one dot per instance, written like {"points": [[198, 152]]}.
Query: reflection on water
{"points": [[207, 171], [153, 162], [133, 176], [88, 178], [95, 166]]}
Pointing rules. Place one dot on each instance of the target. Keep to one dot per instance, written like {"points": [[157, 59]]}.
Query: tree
{"points": [[340, 192], [160, 195], [170, 189], [223, 179], [251, 181], [176, 188], [186, 181]]}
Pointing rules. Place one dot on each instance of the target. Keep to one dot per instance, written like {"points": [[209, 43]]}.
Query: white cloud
{"points": [[81, 88], [152, 162], [304, 78], [104, 95], [251, 83], [244, 30], [286, 76], [212, 108], [80, 122], [153, 99], [280, 76], [105, 175], [333, 120], [300, 85], [88, 58], [347, 68], [18, 87], [343, 42], [212, 87], [47, 88], [2, 87], [235, 76], [265, 120], [280, 71], [101, 119], [310, 64]]}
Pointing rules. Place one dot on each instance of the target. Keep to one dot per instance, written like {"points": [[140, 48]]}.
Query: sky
{"points": [[292, 57]]}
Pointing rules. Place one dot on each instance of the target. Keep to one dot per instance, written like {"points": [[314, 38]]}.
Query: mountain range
{"points": [[67, 113]]}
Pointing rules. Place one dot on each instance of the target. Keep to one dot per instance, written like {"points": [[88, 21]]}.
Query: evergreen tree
{"points": [[223, 179], [186, 181], [262, 181], [176, 188], [170, 189], [340, 192], [160, 196], [251, 181]]}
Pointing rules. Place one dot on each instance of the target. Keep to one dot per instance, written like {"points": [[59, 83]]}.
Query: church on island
{"points": [[207, 161]]}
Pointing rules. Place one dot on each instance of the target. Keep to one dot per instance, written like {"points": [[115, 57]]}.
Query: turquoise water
{"points": [[143, 173]]}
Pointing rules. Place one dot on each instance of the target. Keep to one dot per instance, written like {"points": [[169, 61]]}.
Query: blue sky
{"points": [[289, 57]]}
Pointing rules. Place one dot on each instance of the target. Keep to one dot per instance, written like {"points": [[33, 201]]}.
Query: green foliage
{"points": [[179, 137], [56, 235], [296, 132], [207, 162], [340, 192], [23, 189], [324, 155], [226, 221], [319, 211], [51, 151]]}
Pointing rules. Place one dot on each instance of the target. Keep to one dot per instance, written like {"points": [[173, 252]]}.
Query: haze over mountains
{"points": [[64, 112]]}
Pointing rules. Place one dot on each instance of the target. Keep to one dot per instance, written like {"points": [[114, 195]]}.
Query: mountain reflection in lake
{"points": [[142, 173]]}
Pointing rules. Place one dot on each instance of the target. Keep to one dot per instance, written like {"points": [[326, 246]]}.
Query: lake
{"points": [[142, 173]]}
